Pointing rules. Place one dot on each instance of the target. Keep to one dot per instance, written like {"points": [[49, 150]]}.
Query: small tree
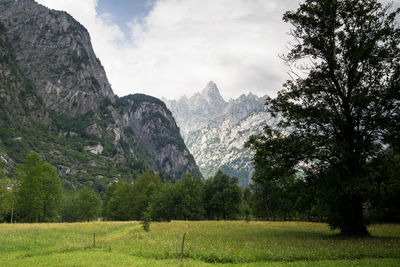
{"points": [[146, 219]]}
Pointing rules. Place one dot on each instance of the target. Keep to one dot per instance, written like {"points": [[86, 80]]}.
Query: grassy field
{"points": [[207, 244]]}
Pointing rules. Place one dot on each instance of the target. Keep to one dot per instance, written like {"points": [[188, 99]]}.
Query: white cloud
{"points": [[183, 44]]}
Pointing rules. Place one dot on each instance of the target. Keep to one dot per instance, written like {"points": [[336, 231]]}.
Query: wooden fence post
{"points": [[183, 244], [94, 240]]}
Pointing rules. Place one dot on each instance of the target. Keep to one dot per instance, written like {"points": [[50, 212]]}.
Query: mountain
{"points": [[54, 51], [55, 100], [198, 110], [215, 130]]}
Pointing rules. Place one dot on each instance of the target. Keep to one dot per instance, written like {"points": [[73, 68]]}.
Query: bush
{"points": [[146, 219]]}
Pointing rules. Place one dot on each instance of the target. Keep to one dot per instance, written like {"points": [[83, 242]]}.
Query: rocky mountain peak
{"points": [[212, 95], [250, 96], [215, 130], [210, 90], [195, 111]]}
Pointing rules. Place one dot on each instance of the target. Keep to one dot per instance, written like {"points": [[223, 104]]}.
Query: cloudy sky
{"points": [[168, 48]]}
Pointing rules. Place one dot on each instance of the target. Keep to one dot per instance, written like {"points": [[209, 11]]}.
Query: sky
{"points": [[122, 12], [171, 48]]}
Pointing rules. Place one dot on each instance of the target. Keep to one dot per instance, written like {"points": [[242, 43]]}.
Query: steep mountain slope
{"points": [[56, 101], [54, 51], [215, 130], [18, 100]]}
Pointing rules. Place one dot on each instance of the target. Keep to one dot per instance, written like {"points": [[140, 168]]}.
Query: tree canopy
{"points": [[343, 114], [6, 196], [222, 197], [40, 190]]}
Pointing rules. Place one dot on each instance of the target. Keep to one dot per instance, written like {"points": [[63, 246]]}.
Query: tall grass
{"points": [[228, 242]]}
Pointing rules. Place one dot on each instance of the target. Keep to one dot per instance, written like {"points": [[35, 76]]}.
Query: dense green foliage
{"points": [[35, 194], [187, 202], [339, 120], [79, 206], [189, 199], [118, 202], [384, 199], [222, 197], [39, 190], [223, 243], [7, 196], [88, 205], [146, 219]]}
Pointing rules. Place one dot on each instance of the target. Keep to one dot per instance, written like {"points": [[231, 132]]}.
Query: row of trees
{"points": [[220, 198], [36, 195]]}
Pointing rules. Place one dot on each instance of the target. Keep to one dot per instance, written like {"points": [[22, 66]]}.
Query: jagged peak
{"points": [[212, 94], [211, 89], [244, 98], [183, 99], [211, 86]]}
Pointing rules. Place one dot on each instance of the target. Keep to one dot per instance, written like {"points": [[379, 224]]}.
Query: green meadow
{"points": [[207, 243]]}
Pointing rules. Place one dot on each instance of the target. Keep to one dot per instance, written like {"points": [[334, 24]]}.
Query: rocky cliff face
{"points": [[215, 130], [56, 101], [54, 51], [11, 82], [154, 127]]}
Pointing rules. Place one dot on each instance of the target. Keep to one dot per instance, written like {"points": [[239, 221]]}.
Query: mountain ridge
{"points": [[61, 105], [215, 131]]}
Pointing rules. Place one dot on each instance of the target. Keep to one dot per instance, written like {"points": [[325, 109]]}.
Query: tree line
{"points": [[35, 194]]}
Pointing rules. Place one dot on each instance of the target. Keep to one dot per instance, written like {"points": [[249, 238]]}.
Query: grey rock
{"points": [[54, 51], [95, 149], [155, 128], [216, 130]]}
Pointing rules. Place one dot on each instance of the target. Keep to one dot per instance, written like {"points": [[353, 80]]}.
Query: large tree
{"points": [[342, 110]]}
